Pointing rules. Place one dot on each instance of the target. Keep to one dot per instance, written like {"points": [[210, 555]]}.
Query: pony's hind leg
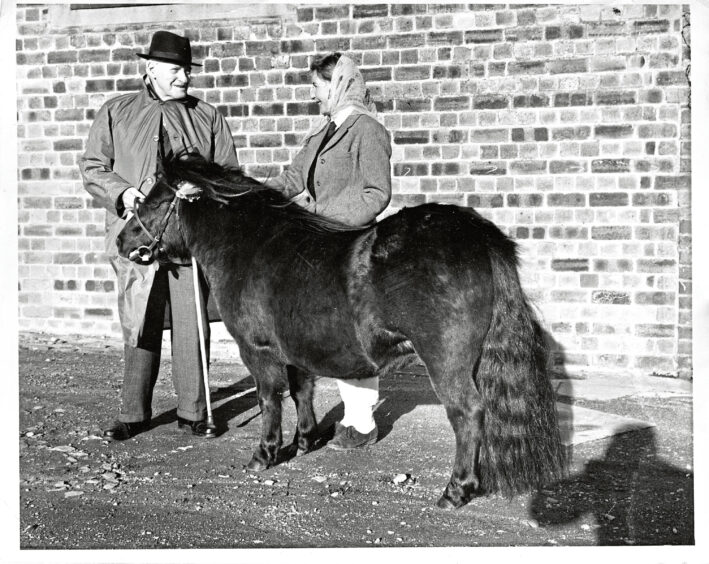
{"points": [[465, 414], [301, 390], [450, 364]]}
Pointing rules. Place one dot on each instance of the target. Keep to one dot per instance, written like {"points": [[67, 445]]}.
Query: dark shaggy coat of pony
{"points": [[305, 296]]}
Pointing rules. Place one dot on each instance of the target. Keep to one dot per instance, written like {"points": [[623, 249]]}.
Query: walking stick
{"points": [[202, 347]]}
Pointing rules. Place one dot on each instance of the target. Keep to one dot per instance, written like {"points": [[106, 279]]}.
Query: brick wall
{"points": [[566, 125]]}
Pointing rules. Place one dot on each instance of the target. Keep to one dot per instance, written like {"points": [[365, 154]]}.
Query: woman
{"points": [[343, 172]]}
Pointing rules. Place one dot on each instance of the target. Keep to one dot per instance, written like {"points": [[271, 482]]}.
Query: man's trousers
{"points": [[173, 287]]}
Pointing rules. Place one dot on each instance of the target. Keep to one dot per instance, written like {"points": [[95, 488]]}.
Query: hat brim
{"points": [[167, 60]]}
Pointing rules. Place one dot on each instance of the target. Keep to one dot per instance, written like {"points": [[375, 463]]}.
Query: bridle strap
{"points": [[155, 239]]}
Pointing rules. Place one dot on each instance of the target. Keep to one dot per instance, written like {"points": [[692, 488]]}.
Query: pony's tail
{"points": [[521, 447]]}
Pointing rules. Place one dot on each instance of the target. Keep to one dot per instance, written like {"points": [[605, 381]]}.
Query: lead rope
{"points": [[202, 347]]}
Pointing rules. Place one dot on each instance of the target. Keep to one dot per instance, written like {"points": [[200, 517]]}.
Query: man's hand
{"points": [[129, 198]]}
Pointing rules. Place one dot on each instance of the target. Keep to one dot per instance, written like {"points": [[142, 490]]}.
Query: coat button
{"points": [[307, 199], [149, 181], [322, 161], [318, 183], [156, 138]]}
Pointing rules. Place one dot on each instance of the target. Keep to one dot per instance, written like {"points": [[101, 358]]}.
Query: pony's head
{"points": [[153, 232]]}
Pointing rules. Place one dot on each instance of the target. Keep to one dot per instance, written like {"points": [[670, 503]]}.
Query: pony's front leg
{"points": [[270, 385]]}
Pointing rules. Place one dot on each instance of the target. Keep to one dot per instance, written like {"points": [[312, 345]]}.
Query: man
{"points": [[129, 140]]}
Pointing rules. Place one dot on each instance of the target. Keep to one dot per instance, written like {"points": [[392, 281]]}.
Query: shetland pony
{"points": [[302, 295]]}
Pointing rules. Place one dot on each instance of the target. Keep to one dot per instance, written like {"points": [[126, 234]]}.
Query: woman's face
{"points": [[320, 91]]}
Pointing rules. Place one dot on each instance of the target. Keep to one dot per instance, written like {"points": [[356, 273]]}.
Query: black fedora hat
{"points": [[170, 48]]}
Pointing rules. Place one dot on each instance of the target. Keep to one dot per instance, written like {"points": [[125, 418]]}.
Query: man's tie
{"points": [[311, 173]]}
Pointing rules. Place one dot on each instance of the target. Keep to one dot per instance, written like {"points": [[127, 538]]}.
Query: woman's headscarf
{"points": [[347, 89]]}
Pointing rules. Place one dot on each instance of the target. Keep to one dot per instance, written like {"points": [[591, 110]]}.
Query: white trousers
{"points": [[359, 397]]}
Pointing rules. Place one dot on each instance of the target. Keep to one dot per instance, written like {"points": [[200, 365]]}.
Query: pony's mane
{"points": [[225, 185]]}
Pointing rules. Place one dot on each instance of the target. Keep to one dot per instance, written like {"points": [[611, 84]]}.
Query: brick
{"points": [[69, 145], [484, 200], [484, 36], [606, 199], [614, 232], [407, 41], [657, 330], [567, 133], [610, 297], [62, 57], [444, 38], [488, 102], [413, 105], [604, 29], [615, 98], [657, 130], [522, 34], [489, 135], [662, 199], [566, 200], [453, 103], [610, 165], [570, 265], [527, 67], [98, 312], [265, 140], [656, 265], [412, 73], [655, 298], [370, 11], [671, 78], [332, 13], [567, 167], [488, 168], [377, 74], [69, 115], [411, 169], [528, 167], [566, 66], [651, 26], [613, 131], [305, 14], [673, 182], [416, 137]]}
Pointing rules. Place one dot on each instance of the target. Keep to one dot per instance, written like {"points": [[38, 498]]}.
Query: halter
{"points": [[145, 253]]}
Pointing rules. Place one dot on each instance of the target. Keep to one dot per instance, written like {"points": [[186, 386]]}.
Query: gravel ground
{"points": [[166, 489]]}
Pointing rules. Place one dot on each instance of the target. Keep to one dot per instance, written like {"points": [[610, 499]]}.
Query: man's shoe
{"points": [[349, 438], [121, 431], [198, 428]]}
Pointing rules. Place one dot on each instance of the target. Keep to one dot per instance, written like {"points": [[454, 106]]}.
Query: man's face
{"points": [[170, 81], [320, 91]]}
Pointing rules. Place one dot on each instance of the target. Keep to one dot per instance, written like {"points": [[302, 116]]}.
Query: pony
{"points": [[304, 296]]}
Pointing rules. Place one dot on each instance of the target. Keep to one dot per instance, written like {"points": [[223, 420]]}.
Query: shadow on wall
{"points": [[627, 493]]}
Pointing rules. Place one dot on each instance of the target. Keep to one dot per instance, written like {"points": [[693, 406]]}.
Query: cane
{"points": [[202, 348]]}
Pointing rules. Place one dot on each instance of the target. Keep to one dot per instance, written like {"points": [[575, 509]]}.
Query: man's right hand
{"points": [[129, 197]]}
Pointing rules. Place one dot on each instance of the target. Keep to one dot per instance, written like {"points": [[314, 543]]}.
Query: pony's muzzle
{"points": [[141, 254]]}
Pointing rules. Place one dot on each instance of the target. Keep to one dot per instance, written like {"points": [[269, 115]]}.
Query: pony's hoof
{"points": [[446, 503], [256, 465]]}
